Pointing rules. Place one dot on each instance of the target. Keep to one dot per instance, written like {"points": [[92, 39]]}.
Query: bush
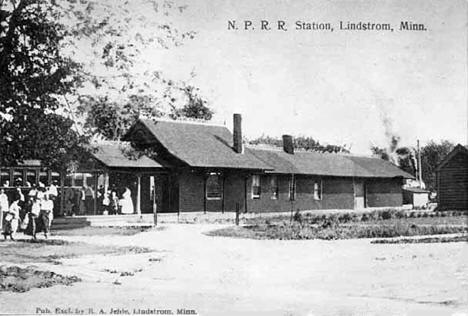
{"points": [[297, 217], [344, 218], [374, 215], [424, 214], [412, 215], [386, 214], [400, 214], [364, 217]]}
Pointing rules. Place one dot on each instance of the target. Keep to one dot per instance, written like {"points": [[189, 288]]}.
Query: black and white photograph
{"points": [[249, 157]]}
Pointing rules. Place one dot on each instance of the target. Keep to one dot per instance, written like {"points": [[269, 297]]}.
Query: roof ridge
{"points": [[191, 121], [301, 150]]}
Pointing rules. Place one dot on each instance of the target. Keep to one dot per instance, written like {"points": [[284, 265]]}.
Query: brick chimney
{"points": [[237, 133], [288, 145]]}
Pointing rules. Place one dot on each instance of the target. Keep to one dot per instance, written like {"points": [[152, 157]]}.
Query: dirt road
{"points": [[225, 276]]}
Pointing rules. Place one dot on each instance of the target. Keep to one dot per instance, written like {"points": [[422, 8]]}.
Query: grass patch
{"points": [[101, 231], [426, 240], [51, 250], [334, 230], [16, 279]]}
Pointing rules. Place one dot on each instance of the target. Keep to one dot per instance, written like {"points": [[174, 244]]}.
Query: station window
{"points": [[55, 176], [318, 190], [44, 178], [31, 177], [78, 179], [256, 188], [69, 180], [214, 187], [274, 187], [89, 180], [5, 177], [18, 177]]}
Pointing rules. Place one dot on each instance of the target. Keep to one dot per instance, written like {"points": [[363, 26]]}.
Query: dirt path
{"points": [[216, 275]]}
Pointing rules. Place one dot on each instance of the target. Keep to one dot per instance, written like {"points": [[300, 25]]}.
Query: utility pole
{"points": [[419, 166]]}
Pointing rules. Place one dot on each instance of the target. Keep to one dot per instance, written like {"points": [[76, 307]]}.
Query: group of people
{"points": [[109, 201], [32, 213]]}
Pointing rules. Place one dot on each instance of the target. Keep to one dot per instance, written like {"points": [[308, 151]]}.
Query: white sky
{"points": [[336, 87]]}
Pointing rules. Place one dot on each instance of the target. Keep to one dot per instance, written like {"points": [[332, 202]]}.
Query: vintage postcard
{"points": [[250, 157]]}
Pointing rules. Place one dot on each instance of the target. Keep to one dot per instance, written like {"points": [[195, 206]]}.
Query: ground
{"points": [[218, 275]]}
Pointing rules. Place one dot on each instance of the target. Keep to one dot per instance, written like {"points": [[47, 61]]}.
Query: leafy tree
{"points": [[112, 40], [431, 156], [380, 152], [407, 159], [195, 106], [300, 142], [404, 157], [33, 76]]}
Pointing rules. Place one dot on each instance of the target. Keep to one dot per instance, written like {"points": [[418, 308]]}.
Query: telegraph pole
{"points": [[419, 165]]}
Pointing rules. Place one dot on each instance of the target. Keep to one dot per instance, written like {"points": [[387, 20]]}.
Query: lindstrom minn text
{"points": [[281, 25]]}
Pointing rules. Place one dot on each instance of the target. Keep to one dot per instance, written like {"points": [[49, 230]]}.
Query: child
{"points": [[10, 220]]}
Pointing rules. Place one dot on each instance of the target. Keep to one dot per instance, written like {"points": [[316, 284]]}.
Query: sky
{"points": [[342, 87]]}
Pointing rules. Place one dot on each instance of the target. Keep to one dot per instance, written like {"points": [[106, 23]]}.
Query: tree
{"points": [[300, 142], [195, 106], [112, 42], [62, 60], [33, 76], [406, 158], [431, 156]]}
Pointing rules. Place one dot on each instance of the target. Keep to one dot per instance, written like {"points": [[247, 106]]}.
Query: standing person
{"points": [[46, 214], [105, 202], [89, 199], [34, 213], [4, 204], [126, 202], [69, 202], [21, 203], [33, 192], [81, 197], [11, 220], [53, 192], [114, 203], [53, 195]]}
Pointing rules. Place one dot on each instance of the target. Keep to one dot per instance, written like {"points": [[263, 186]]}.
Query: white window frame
{"points": [[256, 196], [220, 186], [318, 189]]}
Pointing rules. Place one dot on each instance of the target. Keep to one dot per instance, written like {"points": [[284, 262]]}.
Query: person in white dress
{"points": [[126, 202], [4, 204]]}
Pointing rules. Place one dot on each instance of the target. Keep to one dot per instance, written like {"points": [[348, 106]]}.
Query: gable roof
{"points": [[112, 156], [199, 145], [327, 164], [203, 145], [457, 150]]}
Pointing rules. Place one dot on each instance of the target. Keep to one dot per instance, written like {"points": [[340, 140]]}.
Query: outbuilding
{"points": [[417, 197], [452, 180]]}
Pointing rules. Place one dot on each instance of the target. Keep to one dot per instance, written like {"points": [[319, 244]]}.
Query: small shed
{"points": [[452, 180], [415, 196]]}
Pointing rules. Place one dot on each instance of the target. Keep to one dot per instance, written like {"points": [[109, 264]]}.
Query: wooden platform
{"points": [[71, 222]]}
